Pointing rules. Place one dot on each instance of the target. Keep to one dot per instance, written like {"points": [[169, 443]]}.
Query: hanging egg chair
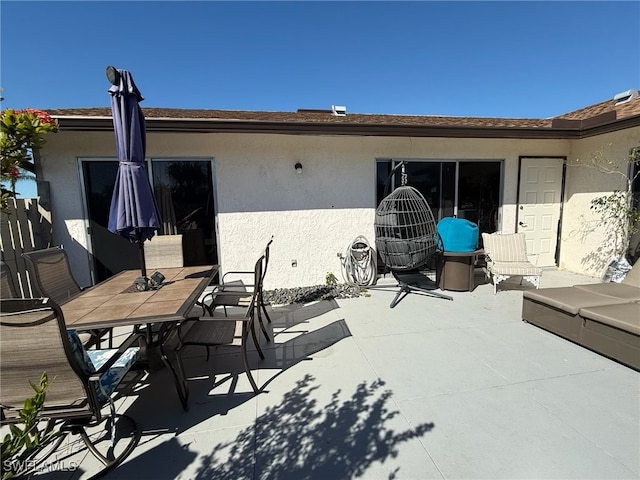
{"points": [[406, 234], [405, 229]]}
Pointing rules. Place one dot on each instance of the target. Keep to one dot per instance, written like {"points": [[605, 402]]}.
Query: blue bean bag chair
{"points": [[458, 234]]}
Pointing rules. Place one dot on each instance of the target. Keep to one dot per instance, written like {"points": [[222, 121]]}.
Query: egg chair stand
{"points": [[406, 238], [406, 286]]}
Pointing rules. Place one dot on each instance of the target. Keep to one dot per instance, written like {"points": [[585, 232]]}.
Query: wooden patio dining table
{"points": [[115, 302]]}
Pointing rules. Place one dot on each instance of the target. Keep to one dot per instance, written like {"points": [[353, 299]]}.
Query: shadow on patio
{"points": [[219, 385], [298, 438]]}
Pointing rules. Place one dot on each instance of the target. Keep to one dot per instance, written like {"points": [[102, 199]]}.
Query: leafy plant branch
{"points": [[26, 438], [618, 211], [22, 134]]}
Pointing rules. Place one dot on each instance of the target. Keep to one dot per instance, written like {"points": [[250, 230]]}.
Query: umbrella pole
{"points": [[143, 263], [142, 283]]}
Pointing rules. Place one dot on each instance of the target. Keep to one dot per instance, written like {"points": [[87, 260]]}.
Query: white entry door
{"points": [[539, 207]]}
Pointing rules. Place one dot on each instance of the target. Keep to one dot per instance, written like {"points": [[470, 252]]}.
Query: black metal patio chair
{"points": [[234, 292], [219, 330]]}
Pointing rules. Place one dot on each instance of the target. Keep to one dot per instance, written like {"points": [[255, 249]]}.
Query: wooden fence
{"points": [[25, 227]]}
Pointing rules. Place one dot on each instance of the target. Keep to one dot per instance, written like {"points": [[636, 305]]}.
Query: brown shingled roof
{"points": [[324, 122], [308, 117], [623, 110]]}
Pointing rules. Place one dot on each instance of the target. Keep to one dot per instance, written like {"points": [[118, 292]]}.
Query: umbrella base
{"points": [[142, 284]]}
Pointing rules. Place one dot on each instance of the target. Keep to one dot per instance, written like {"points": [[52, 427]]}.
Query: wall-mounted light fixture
{"points": [[298, 167]]}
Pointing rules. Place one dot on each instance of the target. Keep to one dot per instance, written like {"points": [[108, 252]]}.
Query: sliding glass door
{"points": [[466, 189], [185, 197], [109, 253], [184, 191]]}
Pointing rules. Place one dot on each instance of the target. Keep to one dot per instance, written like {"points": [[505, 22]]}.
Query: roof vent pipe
{"points": [[624, 97], [339, 110]]}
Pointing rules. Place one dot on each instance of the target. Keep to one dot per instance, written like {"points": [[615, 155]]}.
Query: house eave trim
{"points": [[168, 125]]}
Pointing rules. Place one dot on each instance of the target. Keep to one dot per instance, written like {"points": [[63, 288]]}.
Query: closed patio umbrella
{"points": [[133, 213]]}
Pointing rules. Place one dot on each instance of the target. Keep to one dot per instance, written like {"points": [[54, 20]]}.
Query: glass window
{"points": [[479, 194], [425, 177], [184, 192], [448, 182], [110, 253], [468, 189], [383, 170]]}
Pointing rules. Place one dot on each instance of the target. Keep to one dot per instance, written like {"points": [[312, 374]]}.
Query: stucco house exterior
{"points": [[227, 181]]}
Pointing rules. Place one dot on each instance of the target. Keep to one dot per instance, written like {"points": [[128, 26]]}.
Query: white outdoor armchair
{"points": [[506, 256]]}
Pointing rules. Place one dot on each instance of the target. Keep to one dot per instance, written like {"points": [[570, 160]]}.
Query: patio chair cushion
{"points": [[618, 290], [506, 248], [624, 316], [569, 299], [112, 377], [92, 360], [79, 353], [516, 268]]}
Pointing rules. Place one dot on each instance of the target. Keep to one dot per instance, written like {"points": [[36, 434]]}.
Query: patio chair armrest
{"points": [[236, 288], [128, 343], [21, 305], [235, 272], [229, 318], [222, 287]]}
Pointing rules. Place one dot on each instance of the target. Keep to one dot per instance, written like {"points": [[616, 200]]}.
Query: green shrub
{"points": [[25, 439]]}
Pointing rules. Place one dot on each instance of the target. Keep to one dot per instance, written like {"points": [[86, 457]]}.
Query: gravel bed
{"points": [[286, 296]]}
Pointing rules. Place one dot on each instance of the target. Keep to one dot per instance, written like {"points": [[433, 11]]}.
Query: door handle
{"points": [[522, 224]]}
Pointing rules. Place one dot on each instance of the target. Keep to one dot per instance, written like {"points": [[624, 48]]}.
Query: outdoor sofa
{"points": [[603, 317]]}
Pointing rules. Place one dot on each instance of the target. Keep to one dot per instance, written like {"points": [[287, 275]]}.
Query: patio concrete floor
{"points": [[432, 389]]}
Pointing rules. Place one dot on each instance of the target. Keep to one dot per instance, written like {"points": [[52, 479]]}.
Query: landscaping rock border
{"points": [[287, 296]]}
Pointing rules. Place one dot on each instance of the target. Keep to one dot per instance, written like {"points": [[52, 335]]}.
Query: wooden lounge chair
{"points": [[34, 340], [506, 256]]}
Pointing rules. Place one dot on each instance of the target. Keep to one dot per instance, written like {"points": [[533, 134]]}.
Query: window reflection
{"points": [[478, 188], [184, 192]]}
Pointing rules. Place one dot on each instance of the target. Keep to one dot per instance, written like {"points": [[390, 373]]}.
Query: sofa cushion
{"points": [[570, 299], [617, 290], [625, 316]]}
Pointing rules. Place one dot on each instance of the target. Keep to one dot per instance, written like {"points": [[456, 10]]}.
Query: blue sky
{"points": [[488, 59], [505, 59]]}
